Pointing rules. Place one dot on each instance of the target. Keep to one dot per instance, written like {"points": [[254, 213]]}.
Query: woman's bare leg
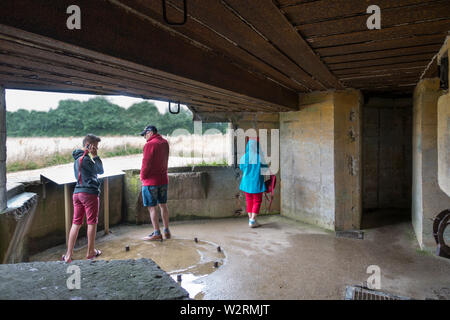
{"points": [[73, 235]]}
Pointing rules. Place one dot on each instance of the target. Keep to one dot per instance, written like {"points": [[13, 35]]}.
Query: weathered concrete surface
{"points": [[320, 160], [140, 279], [428, 198], [444, 143], [387, 157], [194, 192], [178, 257], [307, 162], [347, 159], [15, 222], [285, 259], [444, 128], [3, 187]]}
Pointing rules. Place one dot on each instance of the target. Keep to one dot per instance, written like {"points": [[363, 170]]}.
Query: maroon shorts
{"points": [[85, 204], [254, 201]]}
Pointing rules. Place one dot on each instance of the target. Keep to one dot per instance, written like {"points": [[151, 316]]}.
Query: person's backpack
{"points": [[270, 188]]}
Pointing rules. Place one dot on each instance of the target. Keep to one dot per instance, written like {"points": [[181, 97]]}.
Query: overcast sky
{"points": [[44, 101]]}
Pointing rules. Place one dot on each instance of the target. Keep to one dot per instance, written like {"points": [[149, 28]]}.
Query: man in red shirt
{"points": [[155, 181]]}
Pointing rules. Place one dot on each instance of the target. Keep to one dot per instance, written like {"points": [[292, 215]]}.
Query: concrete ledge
{"points": [[20, 204], [140, 279], [14, 188]]}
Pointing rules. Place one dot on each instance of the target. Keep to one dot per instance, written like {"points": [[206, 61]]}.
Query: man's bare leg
{"points": [[73, 235], [164, 214], [91, 232], [154, 217]]}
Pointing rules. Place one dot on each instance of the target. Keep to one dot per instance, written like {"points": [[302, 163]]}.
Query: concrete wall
{"points": [[320, 160], [428, 198], [194, 192], [387, 158], [307, 161], [444, 143]]}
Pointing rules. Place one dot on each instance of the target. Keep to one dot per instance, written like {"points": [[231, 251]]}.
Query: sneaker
{"points": [[167, 234], [153, 237], [252, 223]]}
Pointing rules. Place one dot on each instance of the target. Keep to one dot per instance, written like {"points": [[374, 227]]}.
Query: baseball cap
{"points": [[149, 128]]}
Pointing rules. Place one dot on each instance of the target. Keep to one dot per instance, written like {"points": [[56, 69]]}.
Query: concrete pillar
{"points": [[444, 143], [3, 190], [320, 149], [347, 159], [444, 129], [427, 198]]}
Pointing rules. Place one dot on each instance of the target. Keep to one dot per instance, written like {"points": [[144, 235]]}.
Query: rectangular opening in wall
{"points": [[387, 160]]}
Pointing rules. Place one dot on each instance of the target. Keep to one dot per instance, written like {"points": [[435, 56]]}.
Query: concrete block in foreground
{"points": [[140, 279]]}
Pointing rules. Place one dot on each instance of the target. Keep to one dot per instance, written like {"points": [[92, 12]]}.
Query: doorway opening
{"points": [[387, 160]]}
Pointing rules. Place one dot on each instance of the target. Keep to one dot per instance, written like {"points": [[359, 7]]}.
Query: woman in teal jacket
{"points": [[252, 182]]}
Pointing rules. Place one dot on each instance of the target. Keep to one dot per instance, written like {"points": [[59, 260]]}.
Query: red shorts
{"points": [[254, 201], [85, 204]]}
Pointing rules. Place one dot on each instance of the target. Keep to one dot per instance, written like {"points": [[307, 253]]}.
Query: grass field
{"points": [[34, 153]]}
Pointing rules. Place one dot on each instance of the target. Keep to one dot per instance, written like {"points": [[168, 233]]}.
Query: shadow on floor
{"points": [[377, 218]]}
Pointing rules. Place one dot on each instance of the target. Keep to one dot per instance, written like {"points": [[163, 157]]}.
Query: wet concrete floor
{"points": [[282, 259], [185, 260]]}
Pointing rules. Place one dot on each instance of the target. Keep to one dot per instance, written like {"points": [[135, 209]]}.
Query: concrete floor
{"points": [[284, 259]]}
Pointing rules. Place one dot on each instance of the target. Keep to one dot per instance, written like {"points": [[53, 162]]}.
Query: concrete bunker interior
{"points": [[362, 118]]}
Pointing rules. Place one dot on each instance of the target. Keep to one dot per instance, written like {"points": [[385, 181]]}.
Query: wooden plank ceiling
{"points": [[390, 59], [231, 55]]}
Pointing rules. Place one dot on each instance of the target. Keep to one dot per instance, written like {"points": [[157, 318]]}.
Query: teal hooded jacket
{"points": [[250, 165]]}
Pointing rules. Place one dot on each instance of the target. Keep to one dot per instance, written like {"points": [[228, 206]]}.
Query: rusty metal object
{"points": [[436, 221], [440, 223]]}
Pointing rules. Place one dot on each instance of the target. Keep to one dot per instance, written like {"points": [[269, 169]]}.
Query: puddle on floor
{"points": [[192, 260]]}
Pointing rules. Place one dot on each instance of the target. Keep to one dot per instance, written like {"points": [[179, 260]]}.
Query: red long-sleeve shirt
{"points": [[155, 162]]}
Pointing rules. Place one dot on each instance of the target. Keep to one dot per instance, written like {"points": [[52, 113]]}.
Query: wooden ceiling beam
{"points": [[271, 23], [324, 10], [197, 31], [432, 49], [225, 22], [391, 17], [110, 30], [381, 45], [385, 33]]}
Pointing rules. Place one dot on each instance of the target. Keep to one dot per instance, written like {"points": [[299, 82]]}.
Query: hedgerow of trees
{"points": [[98, 116]]}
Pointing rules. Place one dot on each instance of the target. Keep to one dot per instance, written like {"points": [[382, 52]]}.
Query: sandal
{"points": [[97, 253], [63, 258]]}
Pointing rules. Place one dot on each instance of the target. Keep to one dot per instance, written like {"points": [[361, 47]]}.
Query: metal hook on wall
{"points": [[175, 23], [170, 108]]}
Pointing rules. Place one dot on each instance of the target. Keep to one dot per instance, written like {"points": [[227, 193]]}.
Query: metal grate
{"points": [[360, 293]]}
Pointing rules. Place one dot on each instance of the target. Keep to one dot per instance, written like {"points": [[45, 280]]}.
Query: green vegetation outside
{"points": [[101, 117]]}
